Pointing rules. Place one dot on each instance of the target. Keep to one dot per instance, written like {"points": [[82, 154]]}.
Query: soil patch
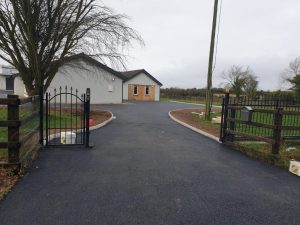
{"points": [[186, 116], [7, 180], [99, 116]]}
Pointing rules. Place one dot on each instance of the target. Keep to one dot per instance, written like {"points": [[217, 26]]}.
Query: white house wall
{"points": [[2, 83], [141, 79], [19, 87], [105, 87]]}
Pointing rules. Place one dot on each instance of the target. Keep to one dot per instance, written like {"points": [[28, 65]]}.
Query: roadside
{"points": [[8, 177], [147, 169], [192, 117], [255, 149]]}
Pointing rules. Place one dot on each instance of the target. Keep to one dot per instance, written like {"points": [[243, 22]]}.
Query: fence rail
{"points": [[12, 107], [271, 120]]}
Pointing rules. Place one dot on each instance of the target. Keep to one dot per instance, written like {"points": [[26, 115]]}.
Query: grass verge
{"points": [[192, 101], [258, 150]]}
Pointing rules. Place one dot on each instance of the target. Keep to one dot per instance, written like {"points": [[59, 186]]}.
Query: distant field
{"points": [[186, 100]]}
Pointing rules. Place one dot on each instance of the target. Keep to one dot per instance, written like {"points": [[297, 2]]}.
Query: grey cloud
{"points": [[261, 34]]}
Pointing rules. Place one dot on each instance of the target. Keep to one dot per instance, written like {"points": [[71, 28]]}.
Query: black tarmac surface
{"points": [[146, 169]]}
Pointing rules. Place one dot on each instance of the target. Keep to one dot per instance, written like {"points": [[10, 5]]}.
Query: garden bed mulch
{"points": [[7, 180], [8, 177], [99, 116], [186, 116]]}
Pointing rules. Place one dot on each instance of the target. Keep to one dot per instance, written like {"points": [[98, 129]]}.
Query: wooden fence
{"points": [[17, 137], [270, 120]]}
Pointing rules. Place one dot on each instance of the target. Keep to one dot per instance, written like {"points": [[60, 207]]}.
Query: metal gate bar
{"points": [[73, 126]]}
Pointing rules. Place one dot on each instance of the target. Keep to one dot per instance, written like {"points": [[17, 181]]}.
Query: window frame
{"points": [[10, 81], [137, 89], [147, 87]]}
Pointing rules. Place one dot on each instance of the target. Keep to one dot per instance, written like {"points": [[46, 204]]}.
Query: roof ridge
{"points": [[133, 73]]}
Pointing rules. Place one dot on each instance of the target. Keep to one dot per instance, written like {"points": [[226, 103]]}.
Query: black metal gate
{"points": [[67, 117]]}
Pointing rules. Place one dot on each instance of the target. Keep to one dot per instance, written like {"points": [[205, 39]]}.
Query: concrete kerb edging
{"points": [[98, 126], [193, 128], [104, 123]]}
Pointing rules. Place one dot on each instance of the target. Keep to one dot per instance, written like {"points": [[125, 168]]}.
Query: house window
{"points": [[110, 88], [135, 90], [147, 90], [10, 84]]}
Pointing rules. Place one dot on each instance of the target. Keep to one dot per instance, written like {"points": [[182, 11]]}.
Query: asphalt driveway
{"points": [[146, 169]]}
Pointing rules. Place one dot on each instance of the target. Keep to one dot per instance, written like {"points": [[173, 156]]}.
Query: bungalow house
{"points": [[107, 85], [10, 82], [82, 71], [141, 86]]}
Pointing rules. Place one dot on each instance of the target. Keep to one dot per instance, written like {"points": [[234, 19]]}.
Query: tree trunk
{"points": [[31, 91]]}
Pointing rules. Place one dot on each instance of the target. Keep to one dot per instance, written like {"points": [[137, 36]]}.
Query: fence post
{"points": [[277, 131], [224, 117], [13, 131], [222, 121], [41, 119], [87, 119], [232, 123], [47, 116], [232, 116]]}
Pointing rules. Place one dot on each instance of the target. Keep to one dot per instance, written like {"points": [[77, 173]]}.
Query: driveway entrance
{"points": [[146, 169]]}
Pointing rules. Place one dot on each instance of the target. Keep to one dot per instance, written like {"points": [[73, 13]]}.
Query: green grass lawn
{"points": [[263, 151], [206, 123], [267, 118], [260, 150], [193, 101], [64, 120], [24, 129], [56, 120], [258, 117]]}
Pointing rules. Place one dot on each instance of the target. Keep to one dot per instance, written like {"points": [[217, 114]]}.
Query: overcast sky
{"points": [[262, 34]]}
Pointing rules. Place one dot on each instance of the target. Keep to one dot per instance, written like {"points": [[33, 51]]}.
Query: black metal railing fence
{"points": [[272, 119]]}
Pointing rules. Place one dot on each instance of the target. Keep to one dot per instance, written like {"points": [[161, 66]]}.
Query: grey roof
{"points": [[96, 63], [89, 59], [125, 76], [133, 73], [7, 71]]}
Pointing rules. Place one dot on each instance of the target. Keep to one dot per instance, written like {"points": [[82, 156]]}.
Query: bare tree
{"points": [[251, 86], [236, 77], [38, 36], [293, 69], [292, 75], [295, 82]]}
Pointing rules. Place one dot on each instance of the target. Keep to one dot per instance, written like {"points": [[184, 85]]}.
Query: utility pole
{"points": [[208, 102]]}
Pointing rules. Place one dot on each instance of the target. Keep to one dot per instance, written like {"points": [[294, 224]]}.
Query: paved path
{"points": [[146, 169]]}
